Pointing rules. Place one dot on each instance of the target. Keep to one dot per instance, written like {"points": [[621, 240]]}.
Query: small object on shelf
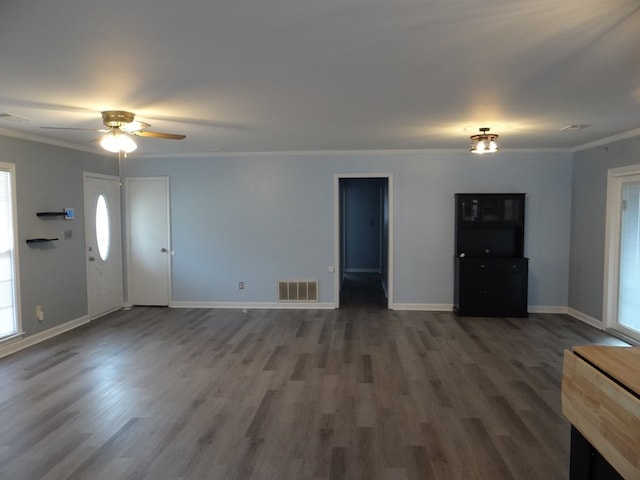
{"points": [[40, 240]]}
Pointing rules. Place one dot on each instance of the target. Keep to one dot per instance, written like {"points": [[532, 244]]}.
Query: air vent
{"points": [[298, 291]]}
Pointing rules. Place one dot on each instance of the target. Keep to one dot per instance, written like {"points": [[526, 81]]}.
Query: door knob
{"points": [[163, 250]]}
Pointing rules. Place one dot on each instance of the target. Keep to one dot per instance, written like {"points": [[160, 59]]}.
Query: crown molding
{"points": [[5, 132], [607, 140], [222, 154], [346, 153]]}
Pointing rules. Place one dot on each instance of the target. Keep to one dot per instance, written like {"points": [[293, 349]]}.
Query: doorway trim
{"points": [[337, 228], [116, 237], [128, 250], [615, 179]]}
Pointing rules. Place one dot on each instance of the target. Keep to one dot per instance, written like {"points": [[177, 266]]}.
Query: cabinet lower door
{"points": [[491, 287], [471, 293], [493, 292], [515, 296]]}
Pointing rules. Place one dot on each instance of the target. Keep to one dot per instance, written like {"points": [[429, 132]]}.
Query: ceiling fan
{"points": [[119, 122]]}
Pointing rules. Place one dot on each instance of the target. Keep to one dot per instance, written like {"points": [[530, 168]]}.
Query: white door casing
{"points": [[617, 179], [148, 241], [338, 231], [104, 257]]}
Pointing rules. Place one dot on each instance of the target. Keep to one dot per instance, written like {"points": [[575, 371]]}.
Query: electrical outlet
{"points": [[39, 313], [241, 286]]}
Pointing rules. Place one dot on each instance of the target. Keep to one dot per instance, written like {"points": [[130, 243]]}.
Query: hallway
{"points": [[362, 290]]}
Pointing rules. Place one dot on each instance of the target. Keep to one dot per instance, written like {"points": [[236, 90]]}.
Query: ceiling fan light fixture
{"points": [[484, 142], [117, 118], [120, 124], [118, 142]]}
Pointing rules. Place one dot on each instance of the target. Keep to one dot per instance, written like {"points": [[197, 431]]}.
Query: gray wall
{"points": [[52, 275], [261, 218], [589, 198]]}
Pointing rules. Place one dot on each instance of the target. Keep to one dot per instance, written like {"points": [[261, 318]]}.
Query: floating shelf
{"points": [[52, 214], [40, 240]]}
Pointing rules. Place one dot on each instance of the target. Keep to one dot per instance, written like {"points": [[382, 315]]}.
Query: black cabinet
{"points": [[491, 286], [491, 273], [587, 462]]}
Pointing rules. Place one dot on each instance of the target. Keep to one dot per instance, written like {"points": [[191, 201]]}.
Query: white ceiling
{"points": [[312, 75]]}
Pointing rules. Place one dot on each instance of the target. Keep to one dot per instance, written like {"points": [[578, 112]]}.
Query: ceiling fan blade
{"points": [[170, 136], [134, 126], [71, 128]]}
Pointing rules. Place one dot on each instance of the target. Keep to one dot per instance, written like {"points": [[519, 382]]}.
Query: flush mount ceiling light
{"points": [[484, 142], [116, 141]]}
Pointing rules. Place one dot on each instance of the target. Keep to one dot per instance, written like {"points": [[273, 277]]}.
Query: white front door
{"points": [[103, 243], [148, 245]]}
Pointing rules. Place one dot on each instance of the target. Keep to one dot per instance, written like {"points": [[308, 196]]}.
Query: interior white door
{"points": [[103, 243], [148, 232]]}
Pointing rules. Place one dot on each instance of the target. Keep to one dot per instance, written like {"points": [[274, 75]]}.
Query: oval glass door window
{"points": [[103, 234]]}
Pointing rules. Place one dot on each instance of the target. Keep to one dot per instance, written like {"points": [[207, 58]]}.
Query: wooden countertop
{"points": [[620, 363], [601, 398]]}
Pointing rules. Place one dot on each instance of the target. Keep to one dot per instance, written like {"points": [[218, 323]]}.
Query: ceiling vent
{"points": [[575, 126]]}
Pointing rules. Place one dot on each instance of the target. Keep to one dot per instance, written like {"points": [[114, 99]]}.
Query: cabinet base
{"points": [[490, 314], [587, 462]]}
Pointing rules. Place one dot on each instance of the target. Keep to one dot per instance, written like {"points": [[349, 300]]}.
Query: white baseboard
{"points": [[547, 309], [426, 307], [22, 343], [446, 307], [594, 322], [256, 305]]}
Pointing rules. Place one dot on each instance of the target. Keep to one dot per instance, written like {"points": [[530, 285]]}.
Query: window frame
{"points": [[103, 226], [10, 168]]}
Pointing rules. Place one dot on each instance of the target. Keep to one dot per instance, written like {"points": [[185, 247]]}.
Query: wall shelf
{"points": [[52, 214], [41, 240]]}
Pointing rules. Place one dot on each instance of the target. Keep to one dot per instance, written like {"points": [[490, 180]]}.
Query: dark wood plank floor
{"points": [[157, 393]]}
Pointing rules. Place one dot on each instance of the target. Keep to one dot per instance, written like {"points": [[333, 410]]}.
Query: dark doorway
{"points": [[364, 220], [362, 290]]}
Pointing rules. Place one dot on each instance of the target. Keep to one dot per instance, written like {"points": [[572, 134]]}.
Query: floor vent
{"points": [[306, 291]]}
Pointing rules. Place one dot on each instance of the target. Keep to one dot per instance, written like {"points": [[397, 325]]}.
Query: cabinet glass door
{"points": [[491, 210], [512, 210], [470, 209]]}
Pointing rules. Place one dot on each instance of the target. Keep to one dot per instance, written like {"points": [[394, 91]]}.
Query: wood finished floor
{"points": [[157, 393]]}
